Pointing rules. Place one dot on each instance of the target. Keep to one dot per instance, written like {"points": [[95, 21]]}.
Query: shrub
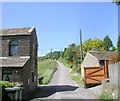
{"points": [[114, 57], [6, 84], [46, 68], [18, 84], [105, 96]]}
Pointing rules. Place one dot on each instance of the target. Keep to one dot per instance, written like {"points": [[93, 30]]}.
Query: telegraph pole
{"points": [[51, 54], [81, 56], [81, 46]]}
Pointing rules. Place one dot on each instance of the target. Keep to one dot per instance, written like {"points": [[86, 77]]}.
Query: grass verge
{"points": [[77, 78], [74, 74], [46, 68], [105, 97]]}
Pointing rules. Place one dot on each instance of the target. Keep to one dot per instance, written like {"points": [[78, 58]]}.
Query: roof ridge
{"points": [[16, 31], [15, 28]]}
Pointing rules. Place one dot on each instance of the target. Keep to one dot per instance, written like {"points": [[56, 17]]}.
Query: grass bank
{"points": [[46, 68], [77, 78], [105, 97]]}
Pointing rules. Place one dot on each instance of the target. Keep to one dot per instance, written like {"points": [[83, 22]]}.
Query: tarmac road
{"points": [[61, 87]]}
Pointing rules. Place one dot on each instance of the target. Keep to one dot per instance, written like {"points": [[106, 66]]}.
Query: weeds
{"points": [[46, 68], [105, 97]]}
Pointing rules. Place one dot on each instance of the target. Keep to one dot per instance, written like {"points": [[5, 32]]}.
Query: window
{"points": [[101, 62], [13, 46], [32, 76], [6, 75]]}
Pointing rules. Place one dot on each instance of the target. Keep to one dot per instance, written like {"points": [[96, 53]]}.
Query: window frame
{"points": [[5, 73], [33, 77], [12, 45]]}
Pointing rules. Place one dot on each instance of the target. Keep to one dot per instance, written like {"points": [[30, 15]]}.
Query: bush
{"points": [[46, 68], [6, 84], [11, 84], [18, 84], [114, 57], [105, 96]]}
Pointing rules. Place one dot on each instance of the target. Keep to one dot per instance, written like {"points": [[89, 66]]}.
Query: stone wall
{"points": [[26, 77], [33, 60], [111, 89], [23, 45], [16, 73], [29, 85]]}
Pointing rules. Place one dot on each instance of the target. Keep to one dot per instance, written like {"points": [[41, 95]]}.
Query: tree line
{"points": [[71, 54]]}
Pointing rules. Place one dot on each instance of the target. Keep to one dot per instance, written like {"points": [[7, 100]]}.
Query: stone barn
{"points": [[96, 65]]}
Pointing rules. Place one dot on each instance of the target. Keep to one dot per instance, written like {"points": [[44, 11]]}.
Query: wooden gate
{"points": [[94, 74]]}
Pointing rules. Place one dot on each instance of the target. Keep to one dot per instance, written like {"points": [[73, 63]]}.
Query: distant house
{"points": [[95, 59], [19, 57]]}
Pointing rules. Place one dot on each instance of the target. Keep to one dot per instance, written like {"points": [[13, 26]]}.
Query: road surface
{"points": [[61, 87]]}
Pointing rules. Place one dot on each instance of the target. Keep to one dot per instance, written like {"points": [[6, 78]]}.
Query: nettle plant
{"points": [[11, 84], [6, 84], [18, 84]]}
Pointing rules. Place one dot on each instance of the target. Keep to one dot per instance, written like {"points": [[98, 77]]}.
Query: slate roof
{"points": [[16, 31], [13, 61], [100, 55]]}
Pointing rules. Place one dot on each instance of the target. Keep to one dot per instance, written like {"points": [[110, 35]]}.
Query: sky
{"points": [[58, 24]]}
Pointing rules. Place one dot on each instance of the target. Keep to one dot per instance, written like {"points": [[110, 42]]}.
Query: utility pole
{"points": [[51, 54], [81, 56], [81, 46]]}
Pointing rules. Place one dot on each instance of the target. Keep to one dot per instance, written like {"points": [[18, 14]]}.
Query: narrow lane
{"points": [[62, 87], [61, 76]]}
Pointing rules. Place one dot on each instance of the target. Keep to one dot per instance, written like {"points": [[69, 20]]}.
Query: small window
{"points": [[32, 76], [101, 62], [13, 46], [7, 75]]}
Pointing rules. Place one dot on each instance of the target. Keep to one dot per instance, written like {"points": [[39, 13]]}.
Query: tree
{"points": [[117, 2], [68, 53], [118, 43], [72, 55], [107, 43], [90, 44], [53, 55], [113, 48]]}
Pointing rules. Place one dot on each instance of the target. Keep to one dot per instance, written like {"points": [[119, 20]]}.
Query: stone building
{"points": [[19, 57], [94, 59]]}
